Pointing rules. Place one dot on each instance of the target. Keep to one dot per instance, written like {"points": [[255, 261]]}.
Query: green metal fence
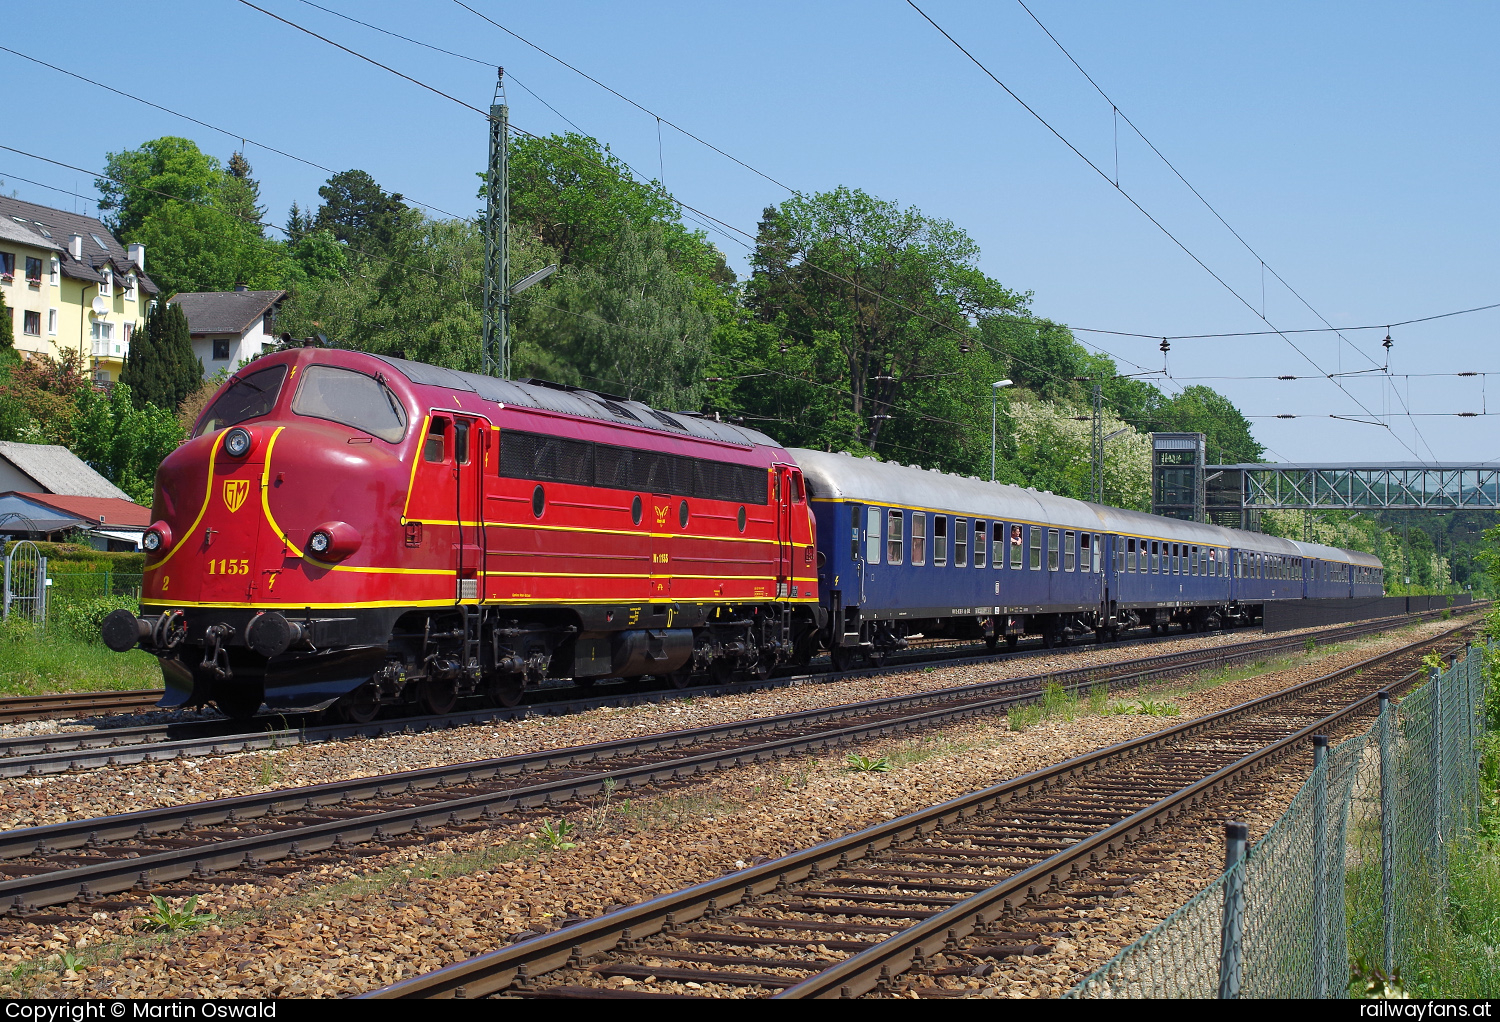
{"points": [[1354, 869], [76, 588]]}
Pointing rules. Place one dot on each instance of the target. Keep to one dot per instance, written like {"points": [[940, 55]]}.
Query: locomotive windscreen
{"points": [[248, 397], [352, 399]]}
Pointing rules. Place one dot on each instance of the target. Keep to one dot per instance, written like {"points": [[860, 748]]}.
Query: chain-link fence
{"points": [[1354, 870]]}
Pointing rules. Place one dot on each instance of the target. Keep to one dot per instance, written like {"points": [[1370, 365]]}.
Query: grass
{"points": [[33, 662]]}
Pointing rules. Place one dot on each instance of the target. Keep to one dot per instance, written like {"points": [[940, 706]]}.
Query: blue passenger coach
{"points": [[914, 552]]}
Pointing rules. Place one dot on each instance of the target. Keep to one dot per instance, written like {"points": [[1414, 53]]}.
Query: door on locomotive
{"points": [[785, 480], [447, 496]]}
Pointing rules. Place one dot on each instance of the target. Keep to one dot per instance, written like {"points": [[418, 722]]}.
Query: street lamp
{"points": [[994, 408]]}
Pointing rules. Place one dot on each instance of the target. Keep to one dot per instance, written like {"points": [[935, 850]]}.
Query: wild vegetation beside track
{"points": [[334, 927], [33, 662]]}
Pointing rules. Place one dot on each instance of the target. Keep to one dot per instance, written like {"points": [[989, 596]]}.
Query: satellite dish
{"points": [[100, 305]]}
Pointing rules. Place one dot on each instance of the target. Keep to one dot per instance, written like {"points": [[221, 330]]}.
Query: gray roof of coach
{"points": [[582, 403], [850, 478], [881, 482]]}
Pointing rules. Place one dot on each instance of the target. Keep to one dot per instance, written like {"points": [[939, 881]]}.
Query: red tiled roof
{"points": [[112, 510]]}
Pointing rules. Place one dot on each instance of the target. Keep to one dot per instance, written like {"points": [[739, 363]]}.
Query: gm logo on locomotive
{"points": [[235, 492]]}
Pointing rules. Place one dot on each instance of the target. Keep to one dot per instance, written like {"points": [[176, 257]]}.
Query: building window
{"points": [[106, 286], [52, 322], [54, 271], [918, 537], [7, 267], [130, 287], [127, 332], [221, 349], [33, 271], [31, 323]]}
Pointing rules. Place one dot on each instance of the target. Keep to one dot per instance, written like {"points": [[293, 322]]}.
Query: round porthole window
{"points": [[682, 514], [538, 501], [635, 510], [742, 518]]}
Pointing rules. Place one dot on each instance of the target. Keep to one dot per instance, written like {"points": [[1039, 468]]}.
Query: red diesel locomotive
{"points": [[350, 530]]}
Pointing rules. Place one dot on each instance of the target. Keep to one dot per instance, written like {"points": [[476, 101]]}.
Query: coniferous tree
{"points": [[7, 328], [161, 369], [183, 367]]}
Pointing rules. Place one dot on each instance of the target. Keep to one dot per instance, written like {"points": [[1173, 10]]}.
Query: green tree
{"points": [[139, 182], [360, 213], [124, 442], [869, 307], [1200, 409], [161, 368], [7, 327], [629, 324], [204, 248]]}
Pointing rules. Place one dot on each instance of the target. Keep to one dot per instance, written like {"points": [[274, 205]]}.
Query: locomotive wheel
{"points": [[239, 705], [721, 671], [1011, 640], [505, 690], [437, 697], [682, 678], [358, 707]]}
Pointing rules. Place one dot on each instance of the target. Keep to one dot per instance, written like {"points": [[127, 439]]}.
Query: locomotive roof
{"points": [[576, 401], [842, 476]]}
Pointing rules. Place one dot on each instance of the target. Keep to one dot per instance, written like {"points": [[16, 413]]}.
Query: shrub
{"points": [[81, 619]]}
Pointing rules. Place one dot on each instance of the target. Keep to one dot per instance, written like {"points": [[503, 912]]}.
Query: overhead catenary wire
{"points": [[1144, 212]]}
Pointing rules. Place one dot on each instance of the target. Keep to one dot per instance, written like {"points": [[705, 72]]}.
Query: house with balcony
{"points": [[70, 285], [230, 327]]}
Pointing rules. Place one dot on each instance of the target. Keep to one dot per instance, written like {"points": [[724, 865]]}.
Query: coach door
{"points": [[446, 505]]}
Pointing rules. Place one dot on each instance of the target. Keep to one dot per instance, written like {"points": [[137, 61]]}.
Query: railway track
{"points": [[938, 652], [973, 880], [235, 839], [62, 752]]}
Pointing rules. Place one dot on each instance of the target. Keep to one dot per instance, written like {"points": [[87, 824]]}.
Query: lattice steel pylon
{"points": [[497, 239], [1098, 444]]}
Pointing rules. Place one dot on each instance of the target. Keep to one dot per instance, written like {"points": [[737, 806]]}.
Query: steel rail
{"points": [[68, 704], [62, 752], [496, 970], [350, 826]]}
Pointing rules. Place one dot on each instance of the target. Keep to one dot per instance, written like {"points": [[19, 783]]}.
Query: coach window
{"points": [[939, 540], [1130, 553], [1155, 556], [856, 520], [1070, 550], [872, 536], [893, 543], [1053, 549], [1036, 547], [1016, 548], [918, 537], [434, 448], [961, 543], [981, 543]]}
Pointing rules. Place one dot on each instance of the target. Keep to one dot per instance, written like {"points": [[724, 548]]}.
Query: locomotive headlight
{"points": [[157, 538], [237, 442], [333, 541], [319, 542]]}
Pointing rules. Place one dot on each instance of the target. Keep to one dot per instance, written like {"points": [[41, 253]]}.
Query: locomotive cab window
{"points": [[981, 543], [248, 397], [461, 442], [1070, 551], [798, 495], [894, 538], [351, 399], [939, 540], [918, 537], [435, 447]]}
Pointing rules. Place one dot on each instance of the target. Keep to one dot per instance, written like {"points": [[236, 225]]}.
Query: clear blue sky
{"points": [[1352, 145]]}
